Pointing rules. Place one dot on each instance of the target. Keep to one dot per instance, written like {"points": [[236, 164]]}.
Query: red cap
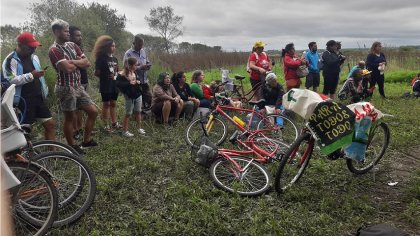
{"points": [[27, 38]]}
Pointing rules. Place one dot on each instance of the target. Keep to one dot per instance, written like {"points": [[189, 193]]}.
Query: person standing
{"points": [[331, 69], [291, 63], [143, 65], [376, 62], [67, 59], [23, 68], [76, 37], [259, 63], [106, 68], [312, 56]]}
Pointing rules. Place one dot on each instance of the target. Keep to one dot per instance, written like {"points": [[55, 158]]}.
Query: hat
{"points": [[331, 43], [366, 72], [27, 38], [259, 44], [270, 76]]}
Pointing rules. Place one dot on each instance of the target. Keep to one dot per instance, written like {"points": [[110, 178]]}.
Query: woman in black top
{"points": [[376, 62], [331, 69], [106, 68], [183, 89]]}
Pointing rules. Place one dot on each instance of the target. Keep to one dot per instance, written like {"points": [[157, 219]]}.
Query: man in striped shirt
{"points": [[68, 59]]}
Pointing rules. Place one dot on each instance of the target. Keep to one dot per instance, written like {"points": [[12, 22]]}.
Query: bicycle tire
{"points": [[291, 162], [217, 134], [229, 181], [65, 166], [23, 214], [280, 128], [39, 146], [376, 148]]}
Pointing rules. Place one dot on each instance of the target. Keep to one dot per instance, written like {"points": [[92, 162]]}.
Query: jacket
{"points": [[290, 66], [132, 91], [312, 58], [13, 70]]}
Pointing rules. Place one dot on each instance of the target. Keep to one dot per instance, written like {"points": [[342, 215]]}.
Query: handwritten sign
{"points": [[333, 124]]}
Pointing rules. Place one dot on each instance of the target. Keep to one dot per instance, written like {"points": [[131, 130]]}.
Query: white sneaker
{"points": [[141, 131], [127, 134]]}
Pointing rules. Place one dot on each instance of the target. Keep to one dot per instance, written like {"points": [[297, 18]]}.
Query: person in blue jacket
{"points": [[312, 56]]}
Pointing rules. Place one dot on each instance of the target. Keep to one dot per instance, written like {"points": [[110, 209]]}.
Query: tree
{"points": [[163, 21]]}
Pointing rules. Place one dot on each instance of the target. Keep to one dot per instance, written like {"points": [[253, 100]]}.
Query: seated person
{"points": [[359, 66], [272, 92], [416, 85], [184, 91], [356, 86], [197, 88], [165, 100]]}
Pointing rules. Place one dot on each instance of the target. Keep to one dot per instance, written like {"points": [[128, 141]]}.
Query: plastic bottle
{"points": [[239, 121]]}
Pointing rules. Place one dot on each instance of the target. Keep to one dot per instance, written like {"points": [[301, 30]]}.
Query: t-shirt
{"points": [[184, 92], [197, 91], [33, 88], [61, 52], [106, 68], [263, 61]]}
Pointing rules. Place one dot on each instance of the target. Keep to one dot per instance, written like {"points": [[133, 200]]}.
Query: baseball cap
{"points": [[27, 38], [259, 44], [366, 72]]}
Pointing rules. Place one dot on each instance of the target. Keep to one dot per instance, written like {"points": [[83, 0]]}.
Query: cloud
{"points": [[236, 24]]}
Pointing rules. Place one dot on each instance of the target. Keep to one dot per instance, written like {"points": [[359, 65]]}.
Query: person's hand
{"points": [[38, 73], [261, 70], [303, 62]]}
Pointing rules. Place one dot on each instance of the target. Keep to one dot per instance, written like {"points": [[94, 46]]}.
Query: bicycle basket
{"points": [[203, 152]]}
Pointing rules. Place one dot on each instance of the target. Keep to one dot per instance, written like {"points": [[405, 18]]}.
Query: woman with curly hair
{"points": [[106, 68]]}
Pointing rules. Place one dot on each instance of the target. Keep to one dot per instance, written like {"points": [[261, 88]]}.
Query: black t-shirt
{"points": [[184, 92], [33, 88], [107, 70]]}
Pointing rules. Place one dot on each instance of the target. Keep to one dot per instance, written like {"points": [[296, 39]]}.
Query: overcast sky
{"points": [[237, 24]]}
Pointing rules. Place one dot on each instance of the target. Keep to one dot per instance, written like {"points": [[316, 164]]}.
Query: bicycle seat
{"points": [[260, 102], [239, 77]]}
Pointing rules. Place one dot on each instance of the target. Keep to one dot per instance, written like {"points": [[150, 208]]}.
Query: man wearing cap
{"points": [[259, 63], [68, 59], [272, 92], [22, 67], [331, 69], [143, 65]]}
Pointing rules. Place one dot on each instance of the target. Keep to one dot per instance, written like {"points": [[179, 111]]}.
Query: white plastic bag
{"points": [[302, 101]]}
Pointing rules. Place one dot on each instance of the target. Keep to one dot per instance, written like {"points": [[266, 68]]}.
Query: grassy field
{"points": [[149, 186]]}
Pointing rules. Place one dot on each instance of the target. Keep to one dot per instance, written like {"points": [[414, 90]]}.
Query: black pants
{"points": [[147, 95], [380, 80]]}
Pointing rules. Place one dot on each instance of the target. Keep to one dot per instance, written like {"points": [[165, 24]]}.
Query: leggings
{"points": [[380, 80]]}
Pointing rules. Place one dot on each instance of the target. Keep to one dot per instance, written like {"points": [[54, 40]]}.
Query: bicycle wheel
{"points": [[34, 203], [377, 145], [294, 162], [217, 134], [76, 184], [52, 146], [280, 128], [254, 180]]}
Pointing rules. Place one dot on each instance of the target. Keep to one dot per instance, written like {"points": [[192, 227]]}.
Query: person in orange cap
{"points": [[23, 68]]}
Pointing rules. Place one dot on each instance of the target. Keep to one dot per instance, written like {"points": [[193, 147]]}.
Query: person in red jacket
{"points": [[291, 62]]}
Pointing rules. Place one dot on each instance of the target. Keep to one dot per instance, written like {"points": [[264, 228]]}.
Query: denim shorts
{"points": [[132, 105]]}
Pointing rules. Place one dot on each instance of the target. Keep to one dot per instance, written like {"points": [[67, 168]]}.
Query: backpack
{"points": [[248, 69]]}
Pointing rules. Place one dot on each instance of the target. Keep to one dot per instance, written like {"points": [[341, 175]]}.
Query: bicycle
{"points": [[297, 157], [33, 193], [237, 91], [238, 171], [276, 126]]}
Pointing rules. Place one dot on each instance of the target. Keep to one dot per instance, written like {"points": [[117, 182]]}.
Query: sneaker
{"points": [[78, 149], [116, 125], [89, 144], [127, 134], [108, 129], [142, 132]]}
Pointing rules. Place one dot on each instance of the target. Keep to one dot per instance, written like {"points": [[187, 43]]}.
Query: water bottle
{"points": [[279, 120], [239, 121]]}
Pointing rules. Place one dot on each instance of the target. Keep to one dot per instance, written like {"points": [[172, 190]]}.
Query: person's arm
{"points": [[291, 63], [158, 91], [10, 73]]}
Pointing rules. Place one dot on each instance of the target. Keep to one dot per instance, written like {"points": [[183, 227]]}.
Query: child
{"points": [[130, 87]]}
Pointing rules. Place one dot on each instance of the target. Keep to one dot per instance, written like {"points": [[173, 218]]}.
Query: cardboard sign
{"points": [[333, 124]]}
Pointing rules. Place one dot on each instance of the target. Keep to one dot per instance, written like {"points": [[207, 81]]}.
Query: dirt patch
{"points": [[389, 197]]}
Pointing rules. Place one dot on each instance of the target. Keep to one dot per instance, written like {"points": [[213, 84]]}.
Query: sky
{"points": [[237, 24]]}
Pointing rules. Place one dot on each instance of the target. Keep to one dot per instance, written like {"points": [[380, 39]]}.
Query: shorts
{"points": [[107, 97], [157, 109], [36, 110], [132, 105], [72, 99], [312, 80]]}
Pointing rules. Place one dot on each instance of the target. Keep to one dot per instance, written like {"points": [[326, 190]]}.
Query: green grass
{"points": [[149, 186]]}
